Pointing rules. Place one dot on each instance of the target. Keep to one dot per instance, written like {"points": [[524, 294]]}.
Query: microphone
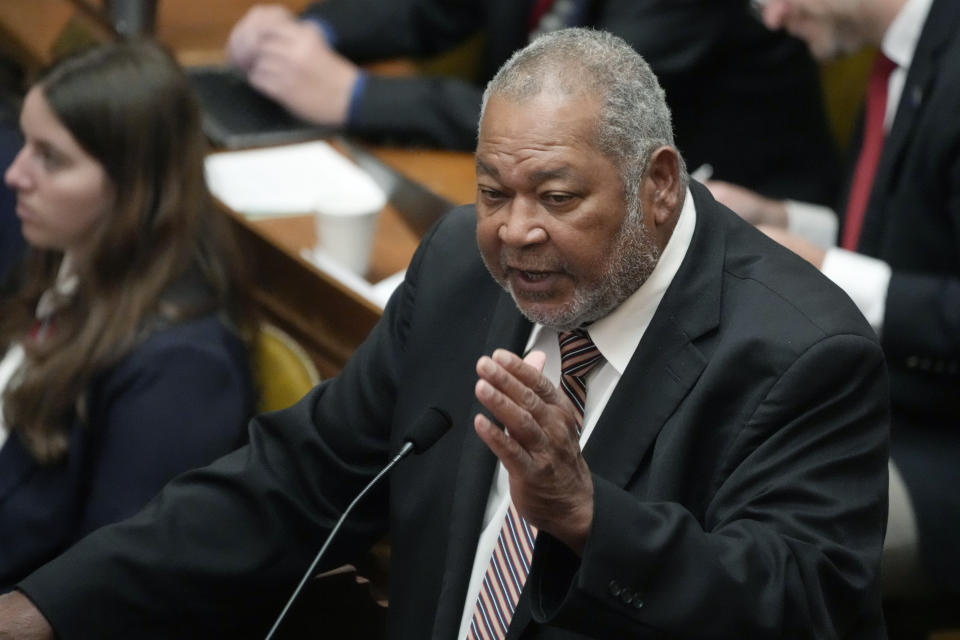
{"points": [[424, 434]]}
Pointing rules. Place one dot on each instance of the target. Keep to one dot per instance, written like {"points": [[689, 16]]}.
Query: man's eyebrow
{"points": [[535, 178], [483, 167]]}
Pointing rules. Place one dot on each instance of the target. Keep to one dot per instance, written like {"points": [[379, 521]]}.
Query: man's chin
{"points": [[554, 316]]}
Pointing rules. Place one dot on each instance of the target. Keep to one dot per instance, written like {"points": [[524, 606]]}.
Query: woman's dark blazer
{"points": [[179, 400]]}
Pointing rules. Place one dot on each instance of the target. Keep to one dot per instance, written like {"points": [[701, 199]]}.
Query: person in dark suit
{"points": [[732, 477], [730, 83], [124, 359], [902, 267]]}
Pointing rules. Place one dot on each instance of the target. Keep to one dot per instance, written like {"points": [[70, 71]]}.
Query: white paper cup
{"points": [[346, 228]]}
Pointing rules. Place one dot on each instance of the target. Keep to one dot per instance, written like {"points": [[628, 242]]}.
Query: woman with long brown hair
{"points": [[124, 351]]}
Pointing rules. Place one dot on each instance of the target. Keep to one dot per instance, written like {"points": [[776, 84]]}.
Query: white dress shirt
{"points": [[616, 336], [8, 366], [865, 279]]}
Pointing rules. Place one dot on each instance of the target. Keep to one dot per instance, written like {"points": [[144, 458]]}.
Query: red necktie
{"points": [[510, 562], [873, 136]]}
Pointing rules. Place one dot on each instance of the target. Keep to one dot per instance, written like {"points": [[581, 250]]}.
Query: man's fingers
{"points": [[516, 394], [526, 373], [507, 449], [514, 414]]}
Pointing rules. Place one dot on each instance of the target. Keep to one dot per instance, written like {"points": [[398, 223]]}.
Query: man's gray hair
{"points": [[634, 117]]}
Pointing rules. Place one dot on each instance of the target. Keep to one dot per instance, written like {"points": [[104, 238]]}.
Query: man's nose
{"points": [[523, 224]]}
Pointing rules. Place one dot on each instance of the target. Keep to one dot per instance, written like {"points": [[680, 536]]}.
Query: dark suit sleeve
{"points": [[368, 30], [434, 111], [174, 405], [791, 536], [220, 549], [429, 110]]}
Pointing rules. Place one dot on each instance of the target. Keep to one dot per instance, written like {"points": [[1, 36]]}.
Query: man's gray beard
{"points": [[633, 260]]}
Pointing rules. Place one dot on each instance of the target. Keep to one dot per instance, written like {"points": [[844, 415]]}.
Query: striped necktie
{"points": [[510, 561]]}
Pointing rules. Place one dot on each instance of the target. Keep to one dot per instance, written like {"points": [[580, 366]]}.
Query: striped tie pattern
{"points": [[578, 355], [510, 561]]}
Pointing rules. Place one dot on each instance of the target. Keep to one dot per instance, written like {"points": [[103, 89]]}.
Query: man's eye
{"points": [[490, 194], [557, 198]]}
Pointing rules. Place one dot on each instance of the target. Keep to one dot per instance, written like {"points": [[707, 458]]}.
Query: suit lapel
{"points": [[941, 25], [508, 329], [667, 361]]}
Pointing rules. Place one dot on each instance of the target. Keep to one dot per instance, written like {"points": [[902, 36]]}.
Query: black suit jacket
{"points": [[744, 99], [912, 222], [739, 470]]}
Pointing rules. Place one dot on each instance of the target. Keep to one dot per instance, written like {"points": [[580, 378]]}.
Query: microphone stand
{"points": [[404, 452]]}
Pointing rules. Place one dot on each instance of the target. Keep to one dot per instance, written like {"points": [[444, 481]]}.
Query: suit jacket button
{"points": [[614, 588], [637, 603], [627, 596]]}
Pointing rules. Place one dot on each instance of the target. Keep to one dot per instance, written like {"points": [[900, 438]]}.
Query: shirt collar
{"points": [[62, 289], [901, 38]]}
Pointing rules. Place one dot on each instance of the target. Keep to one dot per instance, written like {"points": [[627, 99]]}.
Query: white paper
{"points": [[291, 179]]}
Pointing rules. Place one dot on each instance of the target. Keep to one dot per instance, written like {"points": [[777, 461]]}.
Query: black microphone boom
{"points": [[424, 434]]}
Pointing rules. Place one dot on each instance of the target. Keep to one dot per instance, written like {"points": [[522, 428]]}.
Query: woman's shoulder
{"points": [[206, 346], [210, 330]]}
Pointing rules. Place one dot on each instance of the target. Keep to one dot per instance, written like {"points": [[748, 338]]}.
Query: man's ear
{"points": [[661, 189]]}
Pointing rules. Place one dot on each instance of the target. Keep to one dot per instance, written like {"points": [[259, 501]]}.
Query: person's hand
{"points": [[245, 37], [20, 620], [295, 66], [803, 248], [749, 205], [550, 482]]}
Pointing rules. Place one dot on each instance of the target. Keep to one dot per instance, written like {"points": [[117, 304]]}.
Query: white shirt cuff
{"points": [[814, 222], [865, 279]]}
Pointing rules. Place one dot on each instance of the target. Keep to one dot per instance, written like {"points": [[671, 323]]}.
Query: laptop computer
{"points": [[237, 116]]}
